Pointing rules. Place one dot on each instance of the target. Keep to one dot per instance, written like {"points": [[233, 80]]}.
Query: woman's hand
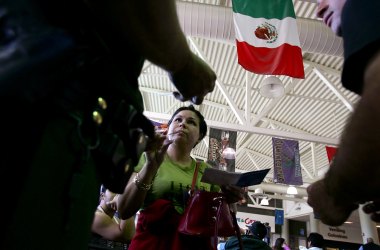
{"points": [[156, 149], [233, 193], [113, 204]]}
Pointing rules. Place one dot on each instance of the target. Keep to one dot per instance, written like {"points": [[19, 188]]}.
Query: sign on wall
{"points": [[246, 219], [343, 233]]}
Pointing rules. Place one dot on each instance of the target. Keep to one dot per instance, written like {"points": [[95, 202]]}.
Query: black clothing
{"points": [[361, 38], [371, 246], [249, 243], [63, 64]]}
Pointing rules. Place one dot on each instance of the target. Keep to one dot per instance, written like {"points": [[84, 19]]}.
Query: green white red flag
{"points": [[267, 37]]}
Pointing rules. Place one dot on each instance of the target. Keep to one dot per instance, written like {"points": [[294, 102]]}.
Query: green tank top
{"points": [[173, 182]]}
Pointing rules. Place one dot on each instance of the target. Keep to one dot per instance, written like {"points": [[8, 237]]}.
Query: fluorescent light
{"points": [[272, 87], [264, 202], [348, 222], [259, 191], [292, 190]]}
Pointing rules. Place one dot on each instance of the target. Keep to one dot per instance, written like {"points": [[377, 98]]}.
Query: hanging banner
{"points": [[279, 217], [331, 151], [222, 149], [287, 166]]}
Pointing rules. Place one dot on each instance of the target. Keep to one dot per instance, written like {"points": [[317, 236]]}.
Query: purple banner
{"points": [[287, 167], [222, 149]]}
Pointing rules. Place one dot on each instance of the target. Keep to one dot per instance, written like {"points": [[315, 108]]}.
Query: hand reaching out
{"points": [[156, 149], [325, 206], [193, 81], [233, 193]]}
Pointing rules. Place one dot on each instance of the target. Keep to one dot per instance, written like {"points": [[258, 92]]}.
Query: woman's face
{"points": [[184, 128]]}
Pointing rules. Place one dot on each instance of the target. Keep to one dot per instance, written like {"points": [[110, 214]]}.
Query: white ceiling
{"points": [[313, 111]]}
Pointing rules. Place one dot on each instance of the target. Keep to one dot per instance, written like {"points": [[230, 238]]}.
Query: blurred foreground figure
{"points": [[354, 174], [71, 107]]}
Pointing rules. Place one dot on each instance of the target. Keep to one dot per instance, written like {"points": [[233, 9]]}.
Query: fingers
{"points": [[164, 148], [328, 211], [193, 82], [178, 96], [112, 205], [197, 100], [373, 208], [156, 142]]}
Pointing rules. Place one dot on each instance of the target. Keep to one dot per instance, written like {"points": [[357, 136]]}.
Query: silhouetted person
{"points": [[370, 245], [253, 240], [315, 241]]}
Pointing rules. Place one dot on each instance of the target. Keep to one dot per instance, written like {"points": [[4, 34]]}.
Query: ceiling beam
{"points": [[220, 86], [224, 107], [328, 70], [248, 97], [274, 102], [334, 89], [257, 130]]}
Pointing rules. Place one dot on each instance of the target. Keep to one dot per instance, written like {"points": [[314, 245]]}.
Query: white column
{"points": [[285, 230], [368, 226], [314, 224]]}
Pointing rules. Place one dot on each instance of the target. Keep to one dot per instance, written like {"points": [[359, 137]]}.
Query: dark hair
{"points": [[258, 230], [202, 122], [316, 240], [102, 189], [278, 244]]}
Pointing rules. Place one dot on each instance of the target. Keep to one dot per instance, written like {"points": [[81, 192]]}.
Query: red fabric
{"points": [[156, 229], [283, 60], [331, 151]]}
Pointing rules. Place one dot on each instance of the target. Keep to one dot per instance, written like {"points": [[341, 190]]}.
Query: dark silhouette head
{"points": [[278, 244], [315, 240], [258, 230]]}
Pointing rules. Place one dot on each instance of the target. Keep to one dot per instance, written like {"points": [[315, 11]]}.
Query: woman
{"points": [[161, 183], [280, 244], [106, 223]]}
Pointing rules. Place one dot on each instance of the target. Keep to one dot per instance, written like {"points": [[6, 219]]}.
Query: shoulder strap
{"points": [[237, 230], [195, 176]]}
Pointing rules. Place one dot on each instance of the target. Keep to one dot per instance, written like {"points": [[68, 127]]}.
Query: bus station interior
{"points": [[312, 111]]}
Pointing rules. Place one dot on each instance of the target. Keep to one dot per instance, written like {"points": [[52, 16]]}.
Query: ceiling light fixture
{"points": [[229, 153], [264, 202], [259, 193], [292, 190], [272, 87]]}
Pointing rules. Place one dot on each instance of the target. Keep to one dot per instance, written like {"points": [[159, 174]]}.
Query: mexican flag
{"points": [[267, 37]]}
